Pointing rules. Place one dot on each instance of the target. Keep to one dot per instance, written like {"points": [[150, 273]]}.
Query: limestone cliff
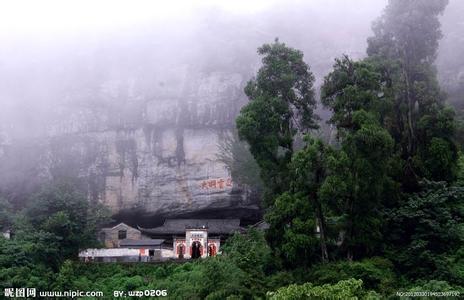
{"points": [[148, 154], [158, 155]]}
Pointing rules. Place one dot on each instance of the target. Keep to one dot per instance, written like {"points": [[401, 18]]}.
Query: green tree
{"points": [[309, 170], [404, 46], [292, 232], [249, 251], [281, 106], [435, 285], [61, 215], [345, 289], [377, 273], [252, 255], [426, 230], [27, 262], [6, 214], [357, 184], [235, 154], [298, 213], [352, 86]]}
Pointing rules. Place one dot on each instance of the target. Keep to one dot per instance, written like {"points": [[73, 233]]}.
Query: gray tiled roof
{"points": [[178, 226], [146, 242], [120, 226], [262, 225]]}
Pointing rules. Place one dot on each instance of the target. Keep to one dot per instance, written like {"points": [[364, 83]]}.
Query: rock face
{"points": [[163, 158], [150, 155], [161, 170]]}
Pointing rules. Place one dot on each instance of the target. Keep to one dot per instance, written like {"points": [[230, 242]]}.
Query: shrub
{"points": [[376, 273], [345, 289]]}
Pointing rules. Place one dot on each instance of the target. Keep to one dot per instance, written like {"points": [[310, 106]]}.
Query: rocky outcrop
{"points": [[165, 159], [151, 155]]}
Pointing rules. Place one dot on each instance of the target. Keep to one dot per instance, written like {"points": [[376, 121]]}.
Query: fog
{"points": [[59, 57], [75, 74], [56, 56]]}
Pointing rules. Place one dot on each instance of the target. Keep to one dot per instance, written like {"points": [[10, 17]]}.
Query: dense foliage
{"points": [[405, 46], [281, 106], [387, 186], [347, 289], [379, 210], [427, 233], [56, 224]]}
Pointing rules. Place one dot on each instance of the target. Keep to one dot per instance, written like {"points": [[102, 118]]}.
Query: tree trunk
{"points": [[409, 116], [349, 254], [320, 216], [320, 219], [350, 225], [410, 105]]}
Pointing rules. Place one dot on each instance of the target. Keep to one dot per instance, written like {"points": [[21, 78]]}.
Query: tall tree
{"points": [[352, 86], [405, 44], [357, 184], [61, 214], [297, 213], [355, 86], [281, 106], [309, 171]]}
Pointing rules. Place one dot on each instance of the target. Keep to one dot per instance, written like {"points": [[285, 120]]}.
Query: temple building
{"points": [[175, 239], [193, 238]]}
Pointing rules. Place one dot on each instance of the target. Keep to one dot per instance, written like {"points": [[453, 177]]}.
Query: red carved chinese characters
{"points": [[216, 184]]}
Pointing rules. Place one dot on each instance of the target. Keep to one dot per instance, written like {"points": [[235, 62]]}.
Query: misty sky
{"points": [[56, 17], [54, 52]]}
